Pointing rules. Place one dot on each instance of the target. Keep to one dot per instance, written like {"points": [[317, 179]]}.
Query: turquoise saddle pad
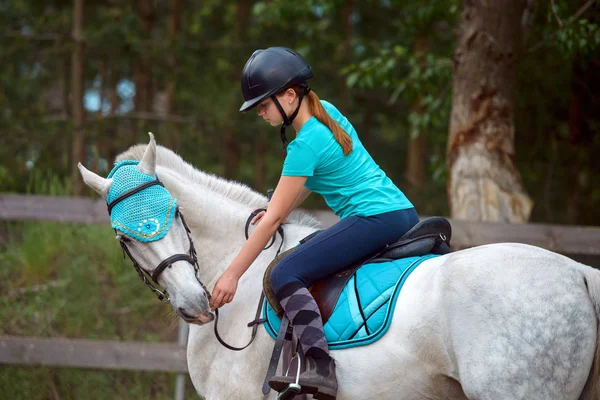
{"points": [[364, 310]]}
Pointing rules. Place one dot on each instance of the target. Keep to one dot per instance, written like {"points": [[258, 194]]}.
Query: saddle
{"points": [[431, 235]]}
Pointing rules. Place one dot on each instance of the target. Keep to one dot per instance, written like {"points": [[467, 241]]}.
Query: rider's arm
{"points": [[289, 190], [301, 197], [299, 200]]}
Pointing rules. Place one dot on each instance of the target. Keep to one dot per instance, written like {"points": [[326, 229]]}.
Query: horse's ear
{"points": [[148, 163], [96, 182]]}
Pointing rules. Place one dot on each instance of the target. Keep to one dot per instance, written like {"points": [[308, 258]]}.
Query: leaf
{"points": [[352, 79]]}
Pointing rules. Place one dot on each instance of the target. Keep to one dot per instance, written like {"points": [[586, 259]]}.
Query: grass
{"points": [[68, 280]]}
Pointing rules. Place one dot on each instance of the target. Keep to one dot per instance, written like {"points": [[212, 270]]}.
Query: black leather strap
{"points": [[254, 325], [285, 333], [167, 263], [279, 230], [132, 192]]}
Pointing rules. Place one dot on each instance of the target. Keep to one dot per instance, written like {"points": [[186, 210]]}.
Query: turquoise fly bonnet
{"points": [[145, 215]]}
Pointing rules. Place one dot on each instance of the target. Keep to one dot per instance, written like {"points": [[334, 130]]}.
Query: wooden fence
{"points": [[571, 240], [77, 353]]}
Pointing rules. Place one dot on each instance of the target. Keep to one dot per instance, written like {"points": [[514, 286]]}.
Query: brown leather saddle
{"points": [[431, 235]]}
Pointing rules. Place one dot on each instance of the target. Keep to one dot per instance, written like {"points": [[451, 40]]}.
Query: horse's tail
{"points": [[592, 387]]}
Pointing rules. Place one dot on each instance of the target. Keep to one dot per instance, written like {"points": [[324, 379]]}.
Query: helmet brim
{"points": [[250, 104]]}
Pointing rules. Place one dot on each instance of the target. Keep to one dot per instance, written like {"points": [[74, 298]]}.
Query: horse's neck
{"points": [[217, 224]]}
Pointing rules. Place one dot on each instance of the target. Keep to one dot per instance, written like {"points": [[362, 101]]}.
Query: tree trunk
{"points": [[171, 141], [484, 183], [415, 160], [66, 142], [77, 111], [142, 70], [576, 145], [102, 89], [230, 144]]}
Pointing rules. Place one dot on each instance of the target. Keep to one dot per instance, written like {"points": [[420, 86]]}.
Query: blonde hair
{"points": [[316, 109]]}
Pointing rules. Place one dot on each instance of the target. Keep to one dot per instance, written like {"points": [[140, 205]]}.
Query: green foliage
{"points": [[63, 280], [581, 37]]}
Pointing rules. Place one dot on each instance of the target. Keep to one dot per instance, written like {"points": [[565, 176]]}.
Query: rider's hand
{"points": [[258, 217], [223, 291]]}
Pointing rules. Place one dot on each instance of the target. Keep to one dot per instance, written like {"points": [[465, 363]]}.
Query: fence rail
{"points": [[576, 240], [102, 354]]}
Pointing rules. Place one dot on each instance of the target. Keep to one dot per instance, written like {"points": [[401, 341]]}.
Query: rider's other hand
{"points": [[258, 217], [223, 291]]}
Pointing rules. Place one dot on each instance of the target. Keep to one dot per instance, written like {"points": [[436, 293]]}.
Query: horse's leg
{"points": [[520, 322]]}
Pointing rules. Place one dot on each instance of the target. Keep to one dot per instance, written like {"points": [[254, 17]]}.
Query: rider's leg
{"points": [[347, 242], [305, 317]]}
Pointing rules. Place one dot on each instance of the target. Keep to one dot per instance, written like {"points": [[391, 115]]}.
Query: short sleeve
{"points": [[301, 160]]}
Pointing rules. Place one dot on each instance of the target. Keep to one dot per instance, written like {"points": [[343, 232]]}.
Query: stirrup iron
{"points": [[293, 389]]}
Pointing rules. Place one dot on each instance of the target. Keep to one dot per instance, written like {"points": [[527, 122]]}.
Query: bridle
{"points": [[191, 257]]}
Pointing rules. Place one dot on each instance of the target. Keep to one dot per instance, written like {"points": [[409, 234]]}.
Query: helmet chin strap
{"points": [[287, 121]]}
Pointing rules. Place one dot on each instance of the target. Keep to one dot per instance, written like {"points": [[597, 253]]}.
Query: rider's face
{"points": [[268, 110]]}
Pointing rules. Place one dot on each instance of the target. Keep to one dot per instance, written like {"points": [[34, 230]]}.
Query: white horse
{"points": [[502, 321]]}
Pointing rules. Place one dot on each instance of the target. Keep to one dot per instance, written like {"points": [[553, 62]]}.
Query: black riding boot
{"points": [[303, 313], [316, 380]]}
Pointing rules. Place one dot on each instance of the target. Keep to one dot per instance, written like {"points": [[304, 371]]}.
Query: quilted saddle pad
{"points": [[365, 307]]}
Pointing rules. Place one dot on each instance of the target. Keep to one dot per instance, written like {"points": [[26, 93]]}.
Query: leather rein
{"points": [[257, 320], [192, 258]]}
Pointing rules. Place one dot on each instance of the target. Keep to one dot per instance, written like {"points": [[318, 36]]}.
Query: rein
{"points": [[257, 320]]}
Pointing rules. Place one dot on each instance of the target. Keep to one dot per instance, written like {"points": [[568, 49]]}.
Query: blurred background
{"points": [[480, 111]]}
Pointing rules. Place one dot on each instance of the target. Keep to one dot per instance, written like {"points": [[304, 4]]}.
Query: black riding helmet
{"points": [[270, 71]]}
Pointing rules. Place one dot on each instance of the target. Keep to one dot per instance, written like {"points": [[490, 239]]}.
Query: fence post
{"points": [[182, 339]]}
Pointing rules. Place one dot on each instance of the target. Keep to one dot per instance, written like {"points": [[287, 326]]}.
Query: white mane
{"points": [[232, 190]]}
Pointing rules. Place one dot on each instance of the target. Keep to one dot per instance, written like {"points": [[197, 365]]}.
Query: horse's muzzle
{"points": [[200, 319]]}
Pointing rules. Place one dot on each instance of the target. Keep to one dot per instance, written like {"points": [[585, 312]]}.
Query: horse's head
{"points": [[153, 233]]}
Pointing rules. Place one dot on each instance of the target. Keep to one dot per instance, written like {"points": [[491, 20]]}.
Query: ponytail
{"points": [[316, 109]]}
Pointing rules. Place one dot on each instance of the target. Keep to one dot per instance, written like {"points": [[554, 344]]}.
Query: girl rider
{"points": [[328, 158]]}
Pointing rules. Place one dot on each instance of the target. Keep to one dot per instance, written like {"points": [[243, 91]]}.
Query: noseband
{"points": [[191, 257]]}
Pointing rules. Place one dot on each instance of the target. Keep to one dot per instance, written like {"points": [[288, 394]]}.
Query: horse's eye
{"points": [[122, 238]]}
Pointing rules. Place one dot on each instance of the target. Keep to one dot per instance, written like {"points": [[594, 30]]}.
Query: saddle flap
{"points": [[326, 292]]}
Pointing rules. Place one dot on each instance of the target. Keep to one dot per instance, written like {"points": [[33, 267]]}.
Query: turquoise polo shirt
{"points": [[352, 184]]}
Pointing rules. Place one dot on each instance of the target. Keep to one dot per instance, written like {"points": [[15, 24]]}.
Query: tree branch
{"points": [[571, 19], [555, 12]]}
